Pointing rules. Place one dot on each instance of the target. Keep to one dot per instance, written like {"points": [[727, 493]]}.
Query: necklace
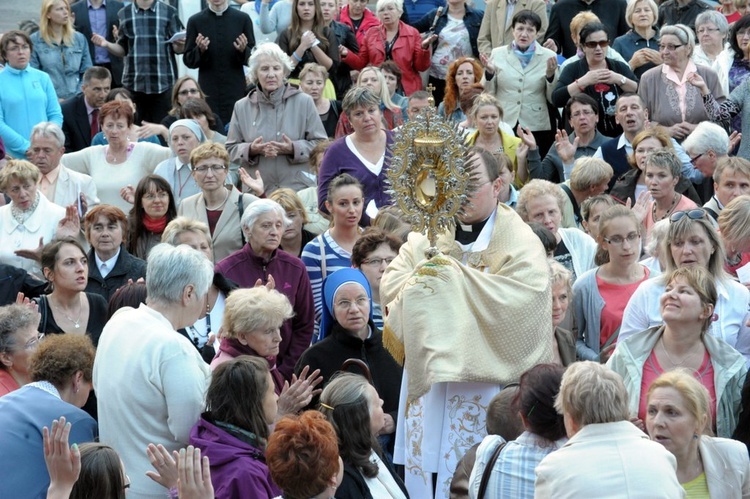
{"points": [[222, 203], [669, 357], [666, 213], [76, 322]]}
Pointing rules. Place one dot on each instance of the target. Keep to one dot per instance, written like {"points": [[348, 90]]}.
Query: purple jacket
{"points": [[340, 159], [245, 267], [237, 468]]}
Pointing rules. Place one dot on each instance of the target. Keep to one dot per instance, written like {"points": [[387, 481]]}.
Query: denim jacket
{"points": [[64, 64]]}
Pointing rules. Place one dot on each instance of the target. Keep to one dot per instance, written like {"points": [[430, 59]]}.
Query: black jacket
{"points": [[76, 124], [341, 79], [610, 12], [625, 188], [82, 24], [126, 267], [472, 21], [329, 355], [14, 280], [353, 485]]}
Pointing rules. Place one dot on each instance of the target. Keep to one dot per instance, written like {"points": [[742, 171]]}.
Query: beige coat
{"points": [[227, 236], [524, 92], [287, 111], [494, 32]]}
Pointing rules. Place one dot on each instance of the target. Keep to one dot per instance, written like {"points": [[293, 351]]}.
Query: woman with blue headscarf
{"points": [[184, 136], [349, 333]]}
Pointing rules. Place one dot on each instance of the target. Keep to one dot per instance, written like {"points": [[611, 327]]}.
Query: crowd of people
{"points": [[208, 289]]}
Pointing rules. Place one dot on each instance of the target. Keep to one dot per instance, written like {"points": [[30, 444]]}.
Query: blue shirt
{"points": [[98, 21], [27, 98]]}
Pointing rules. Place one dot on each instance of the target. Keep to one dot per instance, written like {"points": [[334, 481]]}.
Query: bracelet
{"points": [[580, 88], [296, 57]]}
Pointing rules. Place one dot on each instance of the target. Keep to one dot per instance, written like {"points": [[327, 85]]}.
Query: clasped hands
{"points": [[272, 148]]}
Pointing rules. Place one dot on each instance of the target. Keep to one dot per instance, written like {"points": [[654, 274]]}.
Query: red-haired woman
{"points": [[462, 74]]}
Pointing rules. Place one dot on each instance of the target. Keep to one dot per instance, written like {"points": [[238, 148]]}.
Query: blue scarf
{"points": [[331, 285], [524, 57]]}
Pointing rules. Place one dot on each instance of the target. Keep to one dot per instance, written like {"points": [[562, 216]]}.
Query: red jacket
{"points": [[407, 52], [368, 21]]}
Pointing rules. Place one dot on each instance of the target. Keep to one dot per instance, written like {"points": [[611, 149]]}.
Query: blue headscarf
{"points": [[331, 285]]}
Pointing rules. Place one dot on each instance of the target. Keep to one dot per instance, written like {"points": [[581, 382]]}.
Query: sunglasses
{"points": [[592, 45], [694, 214]]}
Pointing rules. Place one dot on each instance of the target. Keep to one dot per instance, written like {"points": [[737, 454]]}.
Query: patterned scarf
{"points": [[524, 57]]}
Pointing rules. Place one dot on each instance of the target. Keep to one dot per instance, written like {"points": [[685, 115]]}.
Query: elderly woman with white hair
{"points": [[184, 136], [594, 404], [261, 262], [205, 331], [276, 126], [671, 100], [712, 29], [150, 381], [218, 204]]}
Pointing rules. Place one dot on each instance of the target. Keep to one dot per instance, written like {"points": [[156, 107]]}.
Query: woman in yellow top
{"points": [[486, 115]]}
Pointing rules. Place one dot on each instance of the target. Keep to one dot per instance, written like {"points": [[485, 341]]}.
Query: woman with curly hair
{"points": [[462, 74]]}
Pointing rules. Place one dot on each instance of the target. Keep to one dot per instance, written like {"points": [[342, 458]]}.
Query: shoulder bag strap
{"points": [[322, 243], [241, 209], [488, 471]]}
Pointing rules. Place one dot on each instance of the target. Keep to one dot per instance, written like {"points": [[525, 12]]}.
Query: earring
{"points": [[695, 436]]}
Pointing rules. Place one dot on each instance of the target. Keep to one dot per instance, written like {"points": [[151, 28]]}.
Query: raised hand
{"points": [[299, 393], [128, 194], [194, 475], [32, 254], [255, 184], [202, 42], [734, 139], [550, 44], [551, 67], [240, 43], [640, 208], [165, 465], [698, 82], [63, 462], [489, 66], [70, 224], [565, 149]]}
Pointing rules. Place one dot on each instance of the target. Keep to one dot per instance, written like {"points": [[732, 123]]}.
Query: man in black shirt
{"points": [[609, 12]]}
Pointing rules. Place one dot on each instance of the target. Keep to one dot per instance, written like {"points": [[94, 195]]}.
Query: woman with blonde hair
{"points": [[372, 78], [312, 81], [295, 236], [59, 50], [639, 46], [734, 227], [564, 342], [678, 416]]}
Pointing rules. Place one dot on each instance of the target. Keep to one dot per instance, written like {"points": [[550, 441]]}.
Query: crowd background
{"points": [[207, 291]]}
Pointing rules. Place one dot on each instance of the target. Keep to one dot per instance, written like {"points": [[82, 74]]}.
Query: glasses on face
{"points": [[584, 112], [155, 195], [703, 31], [33, 342], [669, 47], [346, 304], [618, 240], [743, 33], [592, 45], [693, 160], [377, 262], [694, 214], [214, 168], [189, 91], [18, 48]]}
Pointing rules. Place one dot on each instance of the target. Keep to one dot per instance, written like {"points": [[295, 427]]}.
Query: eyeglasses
{"points": [[693, 160], [377, 262], [154, 195], [592, 45], [214, 168], [585, 112], [346, 304], [190, 91], [743, 33], [670, 47], [618, 240], [694, 214], [707, 30], [33, 342]]}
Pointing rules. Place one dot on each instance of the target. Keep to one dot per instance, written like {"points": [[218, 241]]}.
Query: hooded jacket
{"points": [[238, 469]]}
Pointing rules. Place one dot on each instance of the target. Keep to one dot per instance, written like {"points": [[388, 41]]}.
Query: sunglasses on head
{"points": [[694, 214], [592, 45]]}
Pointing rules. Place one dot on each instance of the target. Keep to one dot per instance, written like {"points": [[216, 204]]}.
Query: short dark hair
{"points": [[393, 68], [538, 388], [629, 94], [101, 473], [545, 236], [127, 295], [369, 241], [96, 72], [739, 25], [526, 17], [193, 108], [584, 99], [502, 418], [11, 36], [236, 392], [51, 249], [419, 94], [490, 161], [340, 181], [112, 95], [111, 213], [590, 28]]}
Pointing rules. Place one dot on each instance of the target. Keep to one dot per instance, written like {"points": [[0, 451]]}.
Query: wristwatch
{"points": [[622, 82]]}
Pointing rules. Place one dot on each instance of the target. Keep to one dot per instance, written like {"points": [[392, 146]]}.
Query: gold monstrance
{"points": [[430, 175]]}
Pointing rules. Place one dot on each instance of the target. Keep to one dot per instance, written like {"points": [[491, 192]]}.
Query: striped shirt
{"points": [[513, 474], [150, 65], [336, 258]]}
